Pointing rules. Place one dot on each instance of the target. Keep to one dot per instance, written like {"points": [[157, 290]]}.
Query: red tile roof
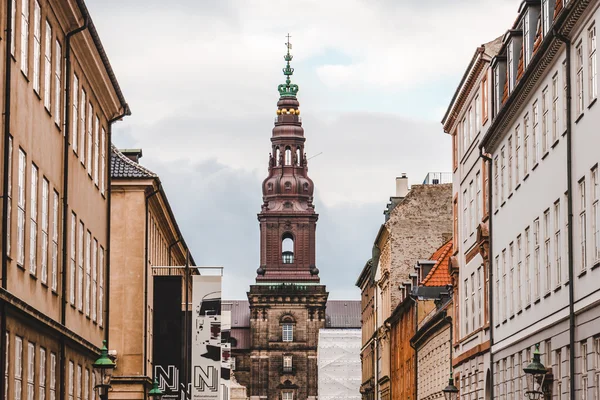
{"points": [[558, 7], [440, 274], [538, 36], [521, 67]]}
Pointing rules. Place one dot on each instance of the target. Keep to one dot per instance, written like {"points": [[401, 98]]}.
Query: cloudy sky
{"points": [[375, 79]]}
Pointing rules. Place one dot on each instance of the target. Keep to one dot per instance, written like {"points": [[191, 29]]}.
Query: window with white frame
{"points": [[94, 279], [595, 190], [504, 285], [565, 81], [18, 389], [30, 371], [592, 64], [57, 79], [466, 306], [82, 126], [479, 199], [45, 227], [546, 18], [518, 273], [79, 379], [545, 120], [498, 293], [477, 114], [6, 358], [555, 107], [73, 266], [9, 195], [90, 139], [510, 163], [566, 235], [71, 381], [75, 116], [80, 267], [37, 44], [287, 363], [95, 393], [103, 162], [13, 27], [525, 144], [42, 378], [473, 300], [579, 82], [25, 36], [519, 377], [465, 217], [287, 331], [536, 137], [96, 150], [33, 214], [48, 67], [559, 373], [557, 244], [547, 256], [584, 370], [582, 226], [510, 65], [86, 385], [54, 241], [21, 209], [517, 152], [496, 183], [536, 259], [511, 279], [497, 91], [502, 174], [287, 395], [52, 376], [471, 124], [526, 40], [597, 367], [471, 208], [100, 285], [480, 295], [88, 281]]}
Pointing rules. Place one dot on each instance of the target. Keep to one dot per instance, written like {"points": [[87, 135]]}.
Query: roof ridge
{"points": [[123, 158]]}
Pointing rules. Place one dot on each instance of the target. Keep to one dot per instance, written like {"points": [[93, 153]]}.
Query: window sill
{"points": [[526, 176], [528, 306], [579, 118], [54, 292], [537, 300], [555, 143], [33, 275], [45, 284], [37, 94], [545, 155], [559, 287], [48, 111], [517, 187], [564, 133], [582, 273], [503, 203], [496, 212], [547, 294], [57, 125], [72, 306], [592, 102], [596, 265], [535, 166], [25, 76], [512, 317], [519, 312], [21, 267], [505, 321], [510, 195]]}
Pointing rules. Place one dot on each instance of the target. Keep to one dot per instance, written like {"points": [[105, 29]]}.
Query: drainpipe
{"points": [[490, 263], [5, 227], [567, 43], [146, 265]]}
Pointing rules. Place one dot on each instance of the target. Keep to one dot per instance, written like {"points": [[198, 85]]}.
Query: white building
{"points": [[544, 226], [338, 358], [467, 120]]}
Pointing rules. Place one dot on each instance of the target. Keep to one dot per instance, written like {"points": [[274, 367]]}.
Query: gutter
{"points": [[146, 278], [567, 43]]}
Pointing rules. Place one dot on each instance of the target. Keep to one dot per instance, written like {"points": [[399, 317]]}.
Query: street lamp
{"points": [[105, 366], [450, 391], [155, 393], [536, 372]]}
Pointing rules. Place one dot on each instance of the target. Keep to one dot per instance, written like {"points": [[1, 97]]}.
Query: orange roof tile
{"points": [[440, 274], [538, 36], [558, 7], [521, 66], [505, 91]]}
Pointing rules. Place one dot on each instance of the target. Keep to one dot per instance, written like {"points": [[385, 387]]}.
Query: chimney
{"points": [[133, 154], [402, 186]]}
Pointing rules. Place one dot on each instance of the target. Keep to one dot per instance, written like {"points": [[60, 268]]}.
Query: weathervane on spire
{"points": [[288, 89]]}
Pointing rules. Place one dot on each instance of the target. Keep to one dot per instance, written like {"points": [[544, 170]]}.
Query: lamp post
{"points": [[105, 366], [535, 372], [155, 393]]}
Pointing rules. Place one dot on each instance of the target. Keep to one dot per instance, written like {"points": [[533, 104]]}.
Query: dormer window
{"points": [[526, 40], [499, 79], [511, 69]]}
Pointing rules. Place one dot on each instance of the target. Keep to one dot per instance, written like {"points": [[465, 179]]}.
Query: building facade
{"points": [[544, 221], [467, 120], [60, 98], [144, 237]]}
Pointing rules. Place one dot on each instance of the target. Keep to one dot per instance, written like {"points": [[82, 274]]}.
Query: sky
{"points": [[375, 78]]}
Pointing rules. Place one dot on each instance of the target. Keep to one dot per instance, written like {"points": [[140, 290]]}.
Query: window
{"points": [[526, 40], [55, 241], [554, 107], [579, 83], [502, 173], [88, 245], [79, 388], [559, 373], [25, 36], [21, 209], [584, 370], [6, 357], [48, 67], [477, 114], [497, 90], [96, 152], [288, 332], [547, 257], [473, 300], [288, 156], [546, 19], [465, 133], [94, 393], [30, 371], [18, 368], [287, 395], [525, 144], [37, 44], [471, 208], [536, 139], [103, 162], [86, 385], [510, 64], [511, 279], [13, 27], [465, 216], [498, 289], [595, 215], [557, 243], [545, 120], [536, 259], [33, 222], [45, 226], [100, 286], [73, 266], [593, 69], [582, 225], [42, 379], [496, 179], [71, 380], [94, 278], [564, 79], [9, 195], [57, 77], [75, 123], [287, 363], [471, 124], [484, 100], [510, 162], [454, 149], [80, 265], [597, 366], [287, 249], [566, 235], [82, 108], [455, 217], [52, 376], [518, 273], [478, 201], [504, 284], [517, 151], [480, 296], [90, 139]]}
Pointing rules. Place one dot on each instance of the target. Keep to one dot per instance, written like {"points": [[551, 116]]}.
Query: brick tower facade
{"points": [[287, 302]]}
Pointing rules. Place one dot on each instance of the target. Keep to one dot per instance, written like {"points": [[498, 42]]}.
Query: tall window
{"points": [[33, 223], [518, 273], [545, 120], [525, 144], [96, 152], [584, 370], [287, 332], [287, 364], [94, 278], [90, 138], [52, 376], [564, 80], [473, 300], [477, 114], [466, 306], [592, 65], [484, 100], [18, 368], [497, 91], [536, 138], [21, 209], [82, 108], [25, 36], [579, 84], [45, 226], [79, 386], [471, 207], [471, 125], [48, 67], [504, 283], [465, 134], [103, 161], [597, 365], [557, 243], [42, 379], [546, 19], [502, 173], [511, 279], [510, 65], [100, 286], [55, 241], [88, 245], [498, 289], [75, 123], [9, 195], [554, 107], [536, 259], [80, 269], [479, 199], [480, 295], [595, 214], [517, 152], [559, 373], [547, 257], [13, 27], [86, 385], [71, 381], [510, 163], [465, 217], [37, 44], [57, 85], [30, 371], [73, 266], [526, 40], [496, 179], [582, 225]]}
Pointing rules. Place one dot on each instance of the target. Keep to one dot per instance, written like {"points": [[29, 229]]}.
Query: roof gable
{"points": [[123, 167]]}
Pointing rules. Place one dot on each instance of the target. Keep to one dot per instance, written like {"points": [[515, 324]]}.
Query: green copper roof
{"points": [[104, 360], [288, 89]]}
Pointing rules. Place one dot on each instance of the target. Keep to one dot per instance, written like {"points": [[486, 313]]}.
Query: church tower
{"points": [[287, 302]]}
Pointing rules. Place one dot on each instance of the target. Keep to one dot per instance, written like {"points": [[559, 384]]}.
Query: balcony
{"points": [[436, 178]]}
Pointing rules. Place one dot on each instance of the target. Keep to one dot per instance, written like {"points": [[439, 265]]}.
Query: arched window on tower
{"points": [[278, 157], [287, 248], [287, 323], [298, 159], [288, 156]]}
